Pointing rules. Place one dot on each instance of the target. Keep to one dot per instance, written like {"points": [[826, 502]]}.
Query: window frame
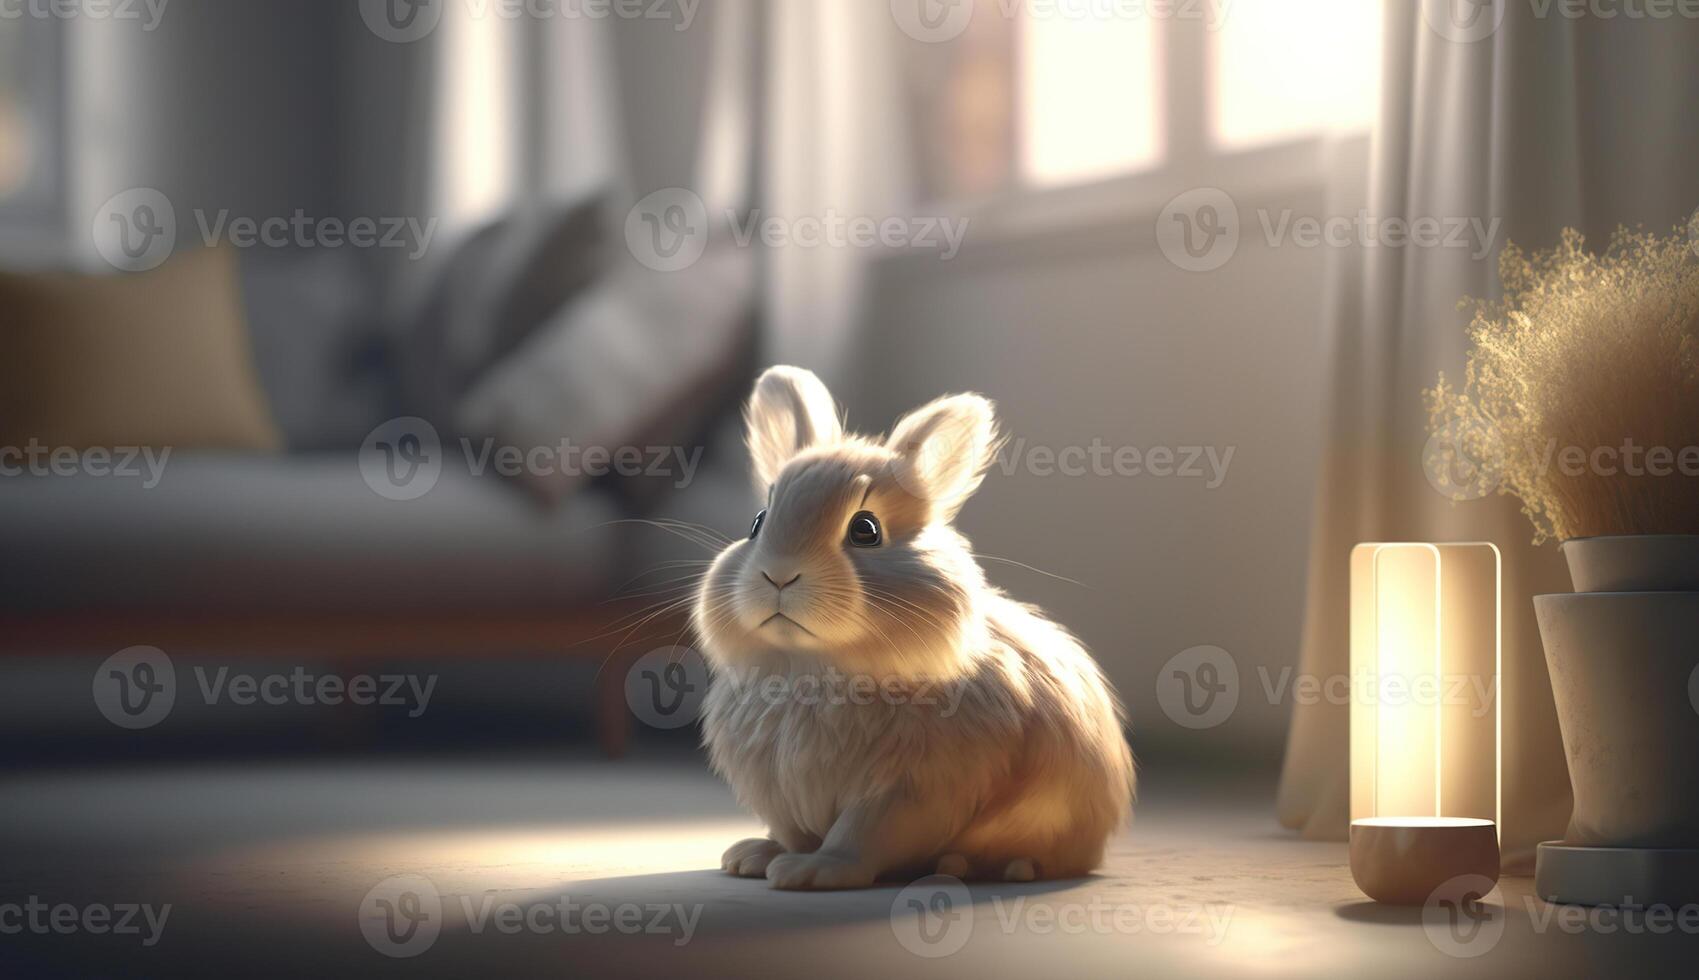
{"points": [[1191, 157]]}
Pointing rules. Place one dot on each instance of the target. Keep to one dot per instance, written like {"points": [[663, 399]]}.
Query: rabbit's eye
{"points": [[864, 531], [755, 528]]}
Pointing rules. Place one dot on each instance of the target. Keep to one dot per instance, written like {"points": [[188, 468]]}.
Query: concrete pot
{"points": [[1625, 677], [1634, 563]]}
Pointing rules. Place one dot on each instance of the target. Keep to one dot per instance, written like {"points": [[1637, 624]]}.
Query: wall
{"points": [[1096, 335]]}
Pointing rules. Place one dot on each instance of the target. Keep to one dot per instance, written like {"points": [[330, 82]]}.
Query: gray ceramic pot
{"points": [[1625, 675], [1634, 563]]}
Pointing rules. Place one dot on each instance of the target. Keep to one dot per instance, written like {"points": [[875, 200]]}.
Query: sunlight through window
{"points": [[1285, 70], [1089, 91]]}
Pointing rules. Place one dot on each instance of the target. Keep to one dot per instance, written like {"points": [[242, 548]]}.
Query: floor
{"points": [[589, 868]]}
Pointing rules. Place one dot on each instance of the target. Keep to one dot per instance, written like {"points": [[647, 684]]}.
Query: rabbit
{"points": [[876, 702]]}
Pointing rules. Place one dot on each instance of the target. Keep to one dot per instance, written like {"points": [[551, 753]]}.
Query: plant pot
{"points": [[1625, 677], [1634, 563]]}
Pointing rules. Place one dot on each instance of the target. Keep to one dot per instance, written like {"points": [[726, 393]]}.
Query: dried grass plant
{"points": [[1586, 350]]}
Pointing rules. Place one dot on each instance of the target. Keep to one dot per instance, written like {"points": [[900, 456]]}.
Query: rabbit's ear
{"points": [[945, 449], [789, 411]]}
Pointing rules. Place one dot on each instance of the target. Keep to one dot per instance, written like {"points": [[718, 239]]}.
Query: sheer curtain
{"points": [[835, 142], [1543, 123]]}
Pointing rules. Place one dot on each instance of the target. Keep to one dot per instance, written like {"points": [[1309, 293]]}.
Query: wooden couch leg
{"points": [[613, 718]]}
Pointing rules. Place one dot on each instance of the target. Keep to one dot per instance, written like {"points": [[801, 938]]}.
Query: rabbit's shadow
{"points": [[723, 905]]}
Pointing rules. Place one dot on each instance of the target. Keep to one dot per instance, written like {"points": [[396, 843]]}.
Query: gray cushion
{"points": [[223, 532], [317, 345], [642, 358], [498, 287]]}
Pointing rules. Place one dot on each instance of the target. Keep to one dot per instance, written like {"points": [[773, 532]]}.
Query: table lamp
{"points": [[1425, 710]]}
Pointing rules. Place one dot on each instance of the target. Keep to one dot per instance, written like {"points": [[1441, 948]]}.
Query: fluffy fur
{"points": [[884, 709]]}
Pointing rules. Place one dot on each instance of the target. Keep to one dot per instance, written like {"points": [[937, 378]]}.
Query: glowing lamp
{"points": [[1425, 707]]}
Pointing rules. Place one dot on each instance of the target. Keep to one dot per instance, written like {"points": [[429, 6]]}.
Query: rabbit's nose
{"points": [[777, 584]]}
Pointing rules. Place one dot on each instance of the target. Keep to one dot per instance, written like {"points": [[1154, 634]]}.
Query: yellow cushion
{"points": [[155, 359]]}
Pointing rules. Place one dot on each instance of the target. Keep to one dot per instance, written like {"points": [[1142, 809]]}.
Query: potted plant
{"points": [[1581, 399]]}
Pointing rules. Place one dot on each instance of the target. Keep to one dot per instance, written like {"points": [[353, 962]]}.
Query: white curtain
{"points": [[1543, 123], [835, 142]]}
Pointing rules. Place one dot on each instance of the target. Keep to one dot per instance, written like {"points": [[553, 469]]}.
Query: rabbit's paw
{"points": [[1020, 869], [749, 858], [954, 865], [800, 872]]}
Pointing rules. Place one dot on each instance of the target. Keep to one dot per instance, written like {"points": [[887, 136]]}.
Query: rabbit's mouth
{"points": [[783, 622]]}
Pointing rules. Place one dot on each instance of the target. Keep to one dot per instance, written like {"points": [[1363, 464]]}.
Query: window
{"points": [[1283, 75], [30, 96], [1077, 74], [1037, 94]]}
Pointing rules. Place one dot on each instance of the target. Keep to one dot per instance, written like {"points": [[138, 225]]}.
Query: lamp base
{"points": [[1581, 874], [1407, 860]]}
